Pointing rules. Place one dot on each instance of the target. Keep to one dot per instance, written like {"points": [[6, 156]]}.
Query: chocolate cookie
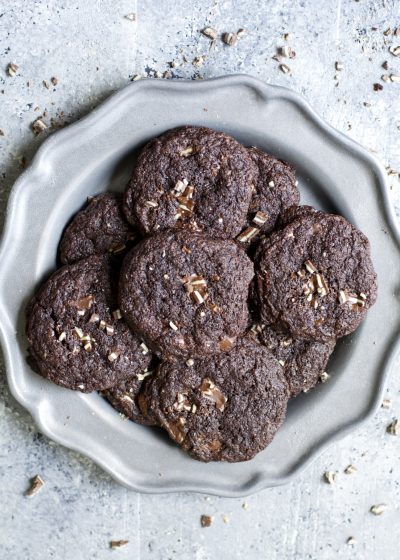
{"points": [[99, 228], [124, 398], [191, 177], [76, 334], [227, 407], [186, 293], [315, 277], [303, 361], [275, 190]]}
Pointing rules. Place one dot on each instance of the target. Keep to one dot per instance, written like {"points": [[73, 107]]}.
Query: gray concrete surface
{"points": [[94, 50]]}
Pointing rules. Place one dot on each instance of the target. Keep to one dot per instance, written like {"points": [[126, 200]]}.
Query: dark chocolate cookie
{"points": [[315, 277], [186, 293], [76, 334], [227, 407], [191, 177], [124, 398], [275, 190], [98, 229], [303, 361]]}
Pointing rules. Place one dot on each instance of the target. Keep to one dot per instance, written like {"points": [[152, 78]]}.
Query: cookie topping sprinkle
{"points": [[142, 376], [356, 301], [112, 357], [182, 403], [211, 392], [310, 266], [184, 193], [78, 332], [260, 218], [248, 234], [117, 314], [196, 287], [186, 152]]}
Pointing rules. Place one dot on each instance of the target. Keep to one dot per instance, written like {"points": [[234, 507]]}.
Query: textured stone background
{"points": [[94, 50]]}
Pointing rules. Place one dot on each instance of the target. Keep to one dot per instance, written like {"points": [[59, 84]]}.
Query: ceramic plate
{"points": [[96, 154]]}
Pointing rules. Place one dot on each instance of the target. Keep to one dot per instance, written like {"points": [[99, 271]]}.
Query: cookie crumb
{"points": [[394, 428], [198, 61], [210, 33], [350, 469], [12, 69], [395, 51], [351, 540], [378, 509], [38, 126], [37, 484], [131, 17], [386, 403], [118, 544], [225, 519], [330, 477], [230, 39], [206, 520], [324, 377], [284, 68], [245, 506]]}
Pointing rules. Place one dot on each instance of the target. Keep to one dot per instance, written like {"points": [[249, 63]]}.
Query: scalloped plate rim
{"points": [[61, 136]]}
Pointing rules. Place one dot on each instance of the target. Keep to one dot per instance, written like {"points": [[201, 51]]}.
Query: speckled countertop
{"points": [[92, 49]]}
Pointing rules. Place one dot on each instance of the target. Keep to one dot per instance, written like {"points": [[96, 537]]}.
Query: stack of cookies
{"points": [[203, 298]]}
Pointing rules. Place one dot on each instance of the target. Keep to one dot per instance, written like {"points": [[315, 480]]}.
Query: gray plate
{"points": [[96, 154]]}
